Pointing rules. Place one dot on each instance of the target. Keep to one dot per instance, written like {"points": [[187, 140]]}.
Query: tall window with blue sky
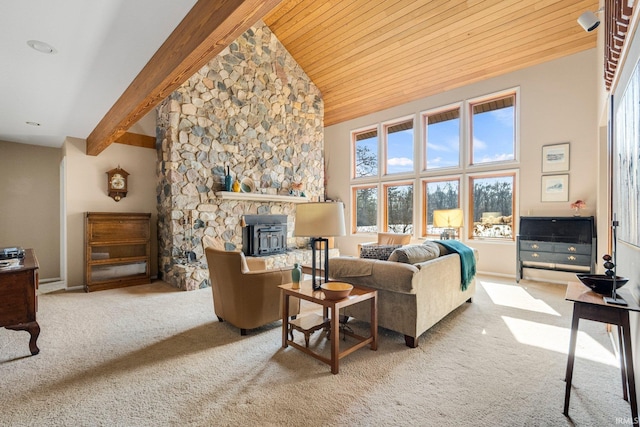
{"points": [[467, 159], [365, 145], [399, 149], [442, 139], [493, 130]]}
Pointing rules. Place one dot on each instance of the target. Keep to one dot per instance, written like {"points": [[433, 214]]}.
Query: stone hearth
{"points": [[251, 109]]}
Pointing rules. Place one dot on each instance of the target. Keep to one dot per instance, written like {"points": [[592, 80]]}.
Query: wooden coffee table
{"points": [[330, 319]]}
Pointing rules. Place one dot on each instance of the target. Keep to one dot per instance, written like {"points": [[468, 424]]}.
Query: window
{"points": [[399, 148], [442, 139], [437, 195], [468, 158], [398, 207], [491, 205], [493, 130], [365, 207], [365, 145]]}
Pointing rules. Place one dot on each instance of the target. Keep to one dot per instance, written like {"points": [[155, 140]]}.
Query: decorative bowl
{"points": [[336, 290], [600, 283], [247, 185]]}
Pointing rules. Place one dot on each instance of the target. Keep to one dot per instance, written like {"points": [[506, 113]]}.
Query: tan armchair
{"points": [[388, 239], [243, 296]]}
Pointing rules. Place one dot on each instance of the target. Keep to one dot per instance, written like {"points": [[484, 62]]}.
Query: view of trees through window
{"points": [[480, 160], [366, 201], [492, 210], [366, 153], [399, 208], [440, 195]]}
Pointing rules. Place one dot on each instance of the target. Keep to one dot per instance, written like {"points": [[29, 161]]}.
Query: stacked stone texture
{"points": [[254, 110]]}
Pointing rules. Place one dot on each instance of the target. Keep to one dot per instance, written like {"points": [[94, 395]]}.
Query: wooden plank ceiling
{"points": [[368, 55]]}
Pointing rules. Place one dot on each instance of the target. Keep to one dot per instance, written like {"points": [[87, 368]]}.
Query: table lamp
{"points": [[319, 220], [449, 219]]}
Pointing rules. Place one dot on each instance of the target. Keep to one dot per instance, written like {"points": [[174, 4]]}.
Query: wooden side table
{"points": [[331, 312], [590, 305]]}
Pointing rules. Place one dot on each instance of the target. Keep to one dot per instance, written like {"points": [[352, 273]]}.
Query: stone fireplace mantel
{"points": [[230, 195]]}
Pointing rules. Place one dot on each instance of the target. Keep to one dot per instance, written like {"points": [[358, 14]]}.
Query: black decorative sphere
{"points": [[608, 265]]}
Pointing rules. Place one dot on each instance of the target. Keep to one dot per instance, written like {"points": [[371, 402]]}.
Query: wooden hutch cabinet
{"points": [[117, 250]]}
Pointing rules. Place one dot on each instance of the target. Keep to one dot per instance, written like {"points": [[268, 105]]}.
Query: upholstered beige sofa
{"points": [[412, 297]]}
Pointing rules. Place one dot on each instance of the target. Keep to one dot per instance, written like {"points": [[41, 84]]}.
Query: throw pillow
{"points": [[380, 252], [413, 254], [443, 251]]}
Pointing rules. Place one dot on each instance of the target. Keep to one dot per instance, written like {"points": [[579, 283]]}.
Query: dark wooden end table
{"points": [[331, 314], [590, 305]]}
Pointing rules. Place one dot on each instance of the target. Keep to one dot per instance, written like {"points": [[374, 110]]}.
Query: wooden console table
{"points": [[18, 293], [590, 305], [357, 295]]}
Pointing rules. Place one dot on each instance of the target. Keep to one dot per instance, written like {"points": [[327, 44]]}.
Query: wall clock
{"points": [[117, 183]]}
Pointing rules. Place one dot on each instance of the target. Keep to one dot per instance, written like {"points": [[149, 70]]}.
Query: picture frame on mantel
{"points": [[555, 188], [555, 158]]}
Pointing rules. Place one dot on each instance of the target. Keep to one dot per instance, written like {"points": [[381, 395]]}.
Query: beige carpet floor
{"points": [[153, 356]]}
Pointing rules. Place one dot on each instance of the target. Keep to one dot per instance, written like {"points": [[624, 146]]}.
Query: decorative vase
{"points": [[228, 181], [296, 274], [236, 186]]}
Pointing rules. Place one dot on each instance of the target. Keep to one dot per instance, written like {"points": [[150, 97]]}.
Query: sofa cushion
{"points": [[413, 254], [390, 276], [380, 252]]}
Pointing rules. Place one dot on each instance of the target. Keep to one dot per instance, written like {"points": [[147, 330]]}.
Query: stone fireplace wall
{"points": [[254, 110]]}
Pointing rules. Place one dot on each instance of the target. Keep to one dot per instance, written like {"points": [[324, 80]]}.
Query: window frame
{"points": [[385, 200], [384, 142], [425, 199], [353, 149], [513, 173], [354, 208], [515, 92], [424, 140], [420, 174]]}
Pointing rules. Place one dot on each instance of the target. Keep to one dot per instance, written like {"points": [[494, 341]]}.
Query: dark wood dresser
{"points": [[556, 243], [19, 297]]}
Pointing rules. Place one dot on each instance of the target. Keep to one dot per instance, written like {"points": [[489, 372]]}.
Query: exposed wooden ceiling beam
{"points": [[137, 140], [207, 29]]}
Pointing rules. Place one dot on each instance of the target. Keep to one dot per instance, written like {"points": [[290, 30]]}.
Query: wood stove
{"points": [[264, 235]]}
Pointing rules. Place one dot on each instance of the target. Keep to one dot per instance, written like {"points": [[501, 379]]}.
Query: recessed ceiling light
{"points": [[41, 46], [33, 123]]}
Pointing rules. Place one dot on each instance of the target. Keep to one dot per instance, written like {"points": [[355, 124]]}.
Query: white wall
{"points": [[558, 103], [86, 191]]}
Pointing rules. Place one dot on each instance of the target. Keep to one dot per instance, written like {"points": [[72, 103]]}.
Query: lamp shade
{"points": [[319, 220], [448, 218]]}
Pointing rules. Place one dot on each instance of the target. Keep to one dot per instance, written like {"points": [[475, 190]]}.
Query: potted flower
{"points": [[577, 206]]}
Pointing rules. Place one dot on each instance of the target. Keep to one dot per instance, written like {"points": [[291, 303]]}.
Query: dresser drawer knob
{"points": [[534, 246], [572, 249], [571, 258], [534, 255]]}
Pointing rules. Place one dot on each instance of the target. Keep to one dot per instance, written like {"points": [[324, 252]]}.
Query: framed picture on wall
{"points": [[555, 158], [555, 188]]}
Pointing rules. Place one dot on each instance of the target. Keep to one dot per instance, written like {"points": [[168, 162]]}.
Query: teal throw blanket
{"points": [[467, 260]]}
